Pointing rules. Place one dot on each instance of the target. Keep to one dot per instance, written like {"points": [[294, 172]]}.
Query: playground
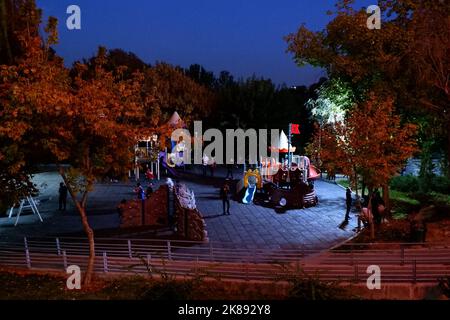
{"points": [[277, 203], [248, 225]]}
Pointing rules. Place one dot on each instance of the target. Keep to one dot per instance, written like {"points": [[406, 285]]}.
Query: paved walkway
{"points": [[259, 226], [248, 225]]}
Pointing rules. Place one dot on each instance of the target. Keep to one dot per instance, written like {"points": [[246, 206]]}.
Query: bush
{"points": [[440, 184], [412, 184], [407, 183]]}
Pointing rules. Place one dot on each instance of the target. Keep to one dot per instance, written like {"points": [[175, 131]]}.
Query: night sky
{"points": [[243, 37]]}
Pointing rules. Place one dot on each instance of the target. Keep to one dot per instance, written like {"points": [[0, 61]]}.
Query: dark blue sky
{"points": [[244, 37]]}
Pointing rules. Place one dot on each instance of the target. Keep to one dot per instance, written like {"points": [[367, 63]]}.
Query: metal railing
{"points": [[399, 262]]}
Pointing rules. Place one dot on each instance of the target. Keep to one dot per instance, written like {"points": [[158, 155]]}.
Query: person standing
{"points": [[377, 204], [212, 166], [149, 191], [225, 196], [348, 202], [62, 196], [205, 162], [140, 192], [229, 171], [149, 175]]}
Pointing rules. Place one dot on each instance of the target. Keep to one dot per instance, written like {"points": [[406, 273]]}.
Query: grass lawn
{"points": [[345, 183]]}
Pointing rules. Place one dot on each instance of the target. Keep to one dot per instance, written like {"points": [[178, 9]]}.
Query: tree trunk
{"points": [[90, 234], [369, 206], [448, 149], [356, 185], [386, 199], [80, 205], [5, 35]]}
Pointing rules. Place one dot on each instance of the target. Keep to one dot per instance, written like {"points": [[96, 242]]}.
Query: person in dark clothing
{"points": [[348, 202], [375, 203], [121, 209], [212, 167], [149, 191], [140, 192], [229, 171], [62, 196], [225, 196]]}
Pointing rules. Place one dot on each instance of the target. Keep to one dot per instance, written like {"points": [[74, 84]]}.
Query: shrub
{"points": [[440, 184], [407, 183], [412, 184]]}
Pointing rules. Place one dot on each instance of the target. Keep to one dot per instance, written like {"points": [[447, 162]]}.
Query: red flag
{"points": [[295, 128]]}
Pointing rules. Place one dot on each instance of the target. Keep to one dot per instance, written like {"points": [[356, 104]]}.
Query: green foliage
{"points": [[334, 98], [412, 184], [408, 183], [441, 184]]}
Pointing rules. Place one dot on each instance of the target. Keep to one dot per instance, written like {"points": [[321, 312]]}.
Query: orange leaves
{"points": [[371, 142]]}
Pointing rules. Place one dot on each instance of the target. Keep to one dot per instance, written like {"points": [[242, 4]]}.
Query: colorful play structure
{"points": [[282, 183], [147, 153], [286, 181]]}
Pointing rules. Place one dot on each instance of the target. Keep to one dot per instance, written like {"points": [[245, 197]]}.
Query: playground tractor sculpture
{"points": [[288, 189]]}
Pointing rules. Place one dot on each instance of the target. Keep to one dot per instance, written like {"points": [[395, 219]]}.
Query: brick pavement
{"points": [[249, 225]]}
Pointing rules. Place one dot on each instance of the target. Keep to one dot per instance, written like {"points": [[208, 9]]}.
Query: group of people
{"points": [[142, 193], [374, 214]]}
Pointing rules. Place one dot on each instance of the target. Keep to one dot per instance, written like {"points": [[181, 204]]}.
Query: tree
{"points": [[116, 60], [173, 91], [413, 41], [17, 18], [371, 143], [90, 124], [197, 73], [101, 136], [429, 64]]}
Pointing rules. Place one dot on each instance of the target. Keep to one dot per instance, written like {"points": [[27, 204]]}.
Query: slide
{"points": [[249, 194], [172, 171], [314, 173]]}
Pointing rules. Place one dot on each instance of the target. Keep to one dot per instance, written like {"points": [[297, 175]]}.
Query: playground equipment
{"points": [[27, 203], [284, 183], [169, 163], [149, 155], [252, 181]]}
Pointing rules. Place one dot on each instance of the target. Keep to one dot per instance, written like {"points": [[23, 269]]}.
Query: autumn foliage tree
{"points": [[173, 91], [371, 144], [408, 56], [88, 126]]}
